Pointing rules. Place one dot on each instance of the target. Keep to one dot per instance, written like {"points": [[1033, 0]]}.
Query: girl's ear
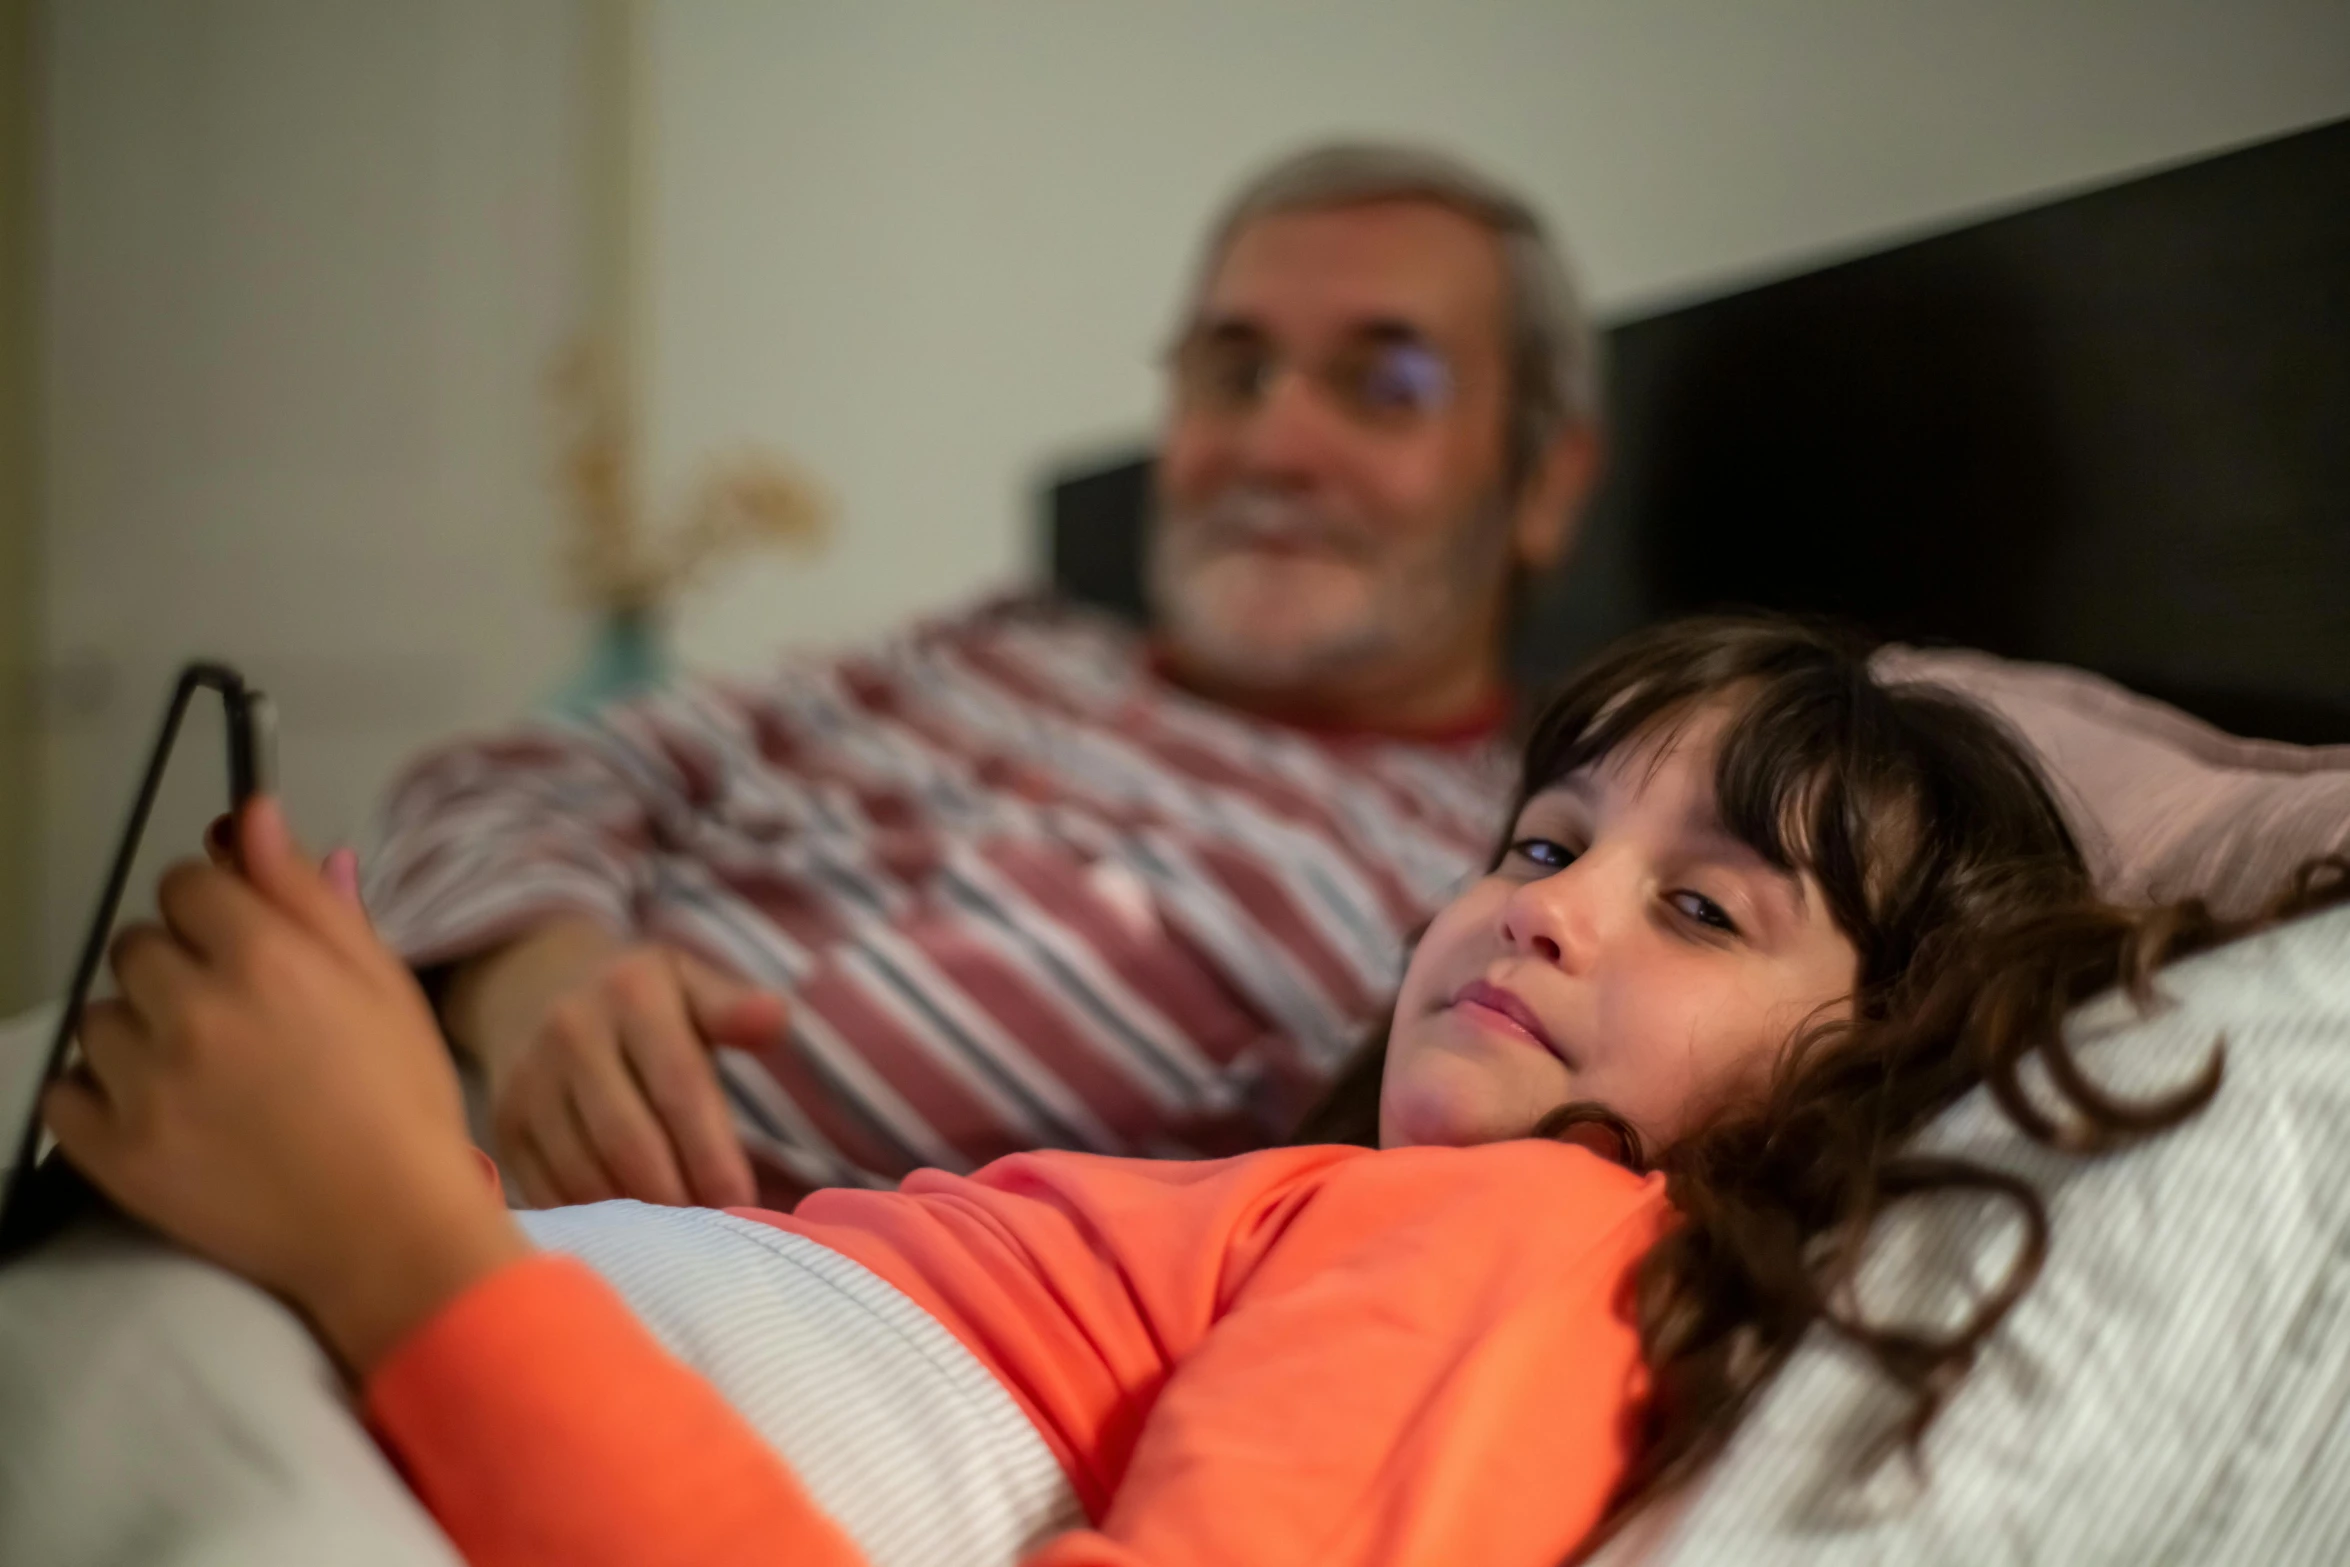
{"points": [[1591, 1125]]}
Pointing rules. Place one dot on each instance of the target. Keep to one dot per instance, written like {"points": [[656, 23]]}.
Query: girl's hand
{"points": [[270, 1090]]}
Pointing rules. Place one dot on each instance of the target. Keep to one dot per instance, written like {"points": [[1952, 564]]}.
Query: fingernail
{"points": [[342, 873], [265, 826]]}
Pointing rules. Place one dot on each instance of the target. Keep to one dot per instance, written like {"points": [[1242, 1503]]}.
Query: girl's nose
{"points": [[1559, 918]]}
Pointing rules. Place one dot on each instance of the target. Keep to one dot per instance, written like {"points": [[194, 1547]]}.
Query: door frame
{"points": [[20, 598]]}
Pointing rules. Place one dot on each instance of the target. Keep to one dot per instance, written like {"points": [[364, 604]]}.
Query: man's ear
{"points": [[1550, 503]]}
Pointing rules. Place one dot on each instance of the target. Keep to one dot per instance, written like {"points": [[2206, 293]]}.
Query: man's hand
{"points": [[600, 1075]]}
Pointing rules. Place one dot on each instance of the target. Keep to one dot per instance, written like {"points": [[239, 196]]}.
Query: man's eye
{"points": [[1548, 853], [1235, 377], [1697, 906], [1220, 374], [1400, 378]]}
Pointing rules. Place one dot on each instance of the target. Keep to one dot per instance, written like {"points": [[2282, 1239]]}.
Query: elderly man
{"points": [[1023, 877]]}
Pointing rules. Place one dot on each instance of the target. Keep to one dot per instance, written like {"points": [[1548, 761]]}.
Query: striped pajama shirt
{"points": [[1019, 889]]}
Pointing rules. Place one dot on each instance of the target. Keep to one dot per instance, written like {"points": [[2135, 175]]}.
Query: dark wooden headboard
{"points": [[2112, 431]]}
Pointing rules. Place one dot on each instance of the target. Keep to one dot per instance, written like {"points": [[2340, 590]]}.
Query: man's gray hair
{"points": [[1553, 351]]}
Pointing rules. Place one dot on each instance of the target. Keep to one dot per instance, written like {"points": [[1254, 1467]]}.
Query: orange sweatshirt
{"points": [[1308, 1355]]}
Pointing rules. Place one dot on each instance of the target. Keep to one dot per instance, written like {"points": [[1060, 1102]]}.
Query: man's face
{"points": [[1333, 510]]}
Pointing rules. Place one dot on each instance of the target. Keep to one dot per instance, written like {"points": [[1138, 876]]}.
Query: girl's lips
{"points": [[1501, 1009]]}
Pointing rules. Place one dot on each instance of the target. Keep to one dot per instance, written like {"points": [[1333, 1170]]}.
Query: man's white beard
{"points": [[1270, 593]]}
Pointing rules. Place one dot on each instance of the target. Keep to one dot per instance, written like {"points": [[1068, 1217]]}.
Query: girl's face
{"points": [[1627, 951]]}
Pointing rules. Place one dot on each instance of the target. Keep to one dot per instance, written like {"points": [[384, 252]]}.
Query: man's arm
{"points": [[494, 999], [512, 866], [486, 839]]}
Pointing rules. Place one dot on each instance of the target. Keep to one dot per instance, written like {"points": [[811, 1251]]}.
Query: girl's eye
{"points": [[1702, 909], [1548, 853]]}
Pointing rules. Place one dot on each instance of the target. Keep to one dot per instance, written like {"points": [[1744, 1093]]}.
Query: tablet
{"points": [[43, 1190]]}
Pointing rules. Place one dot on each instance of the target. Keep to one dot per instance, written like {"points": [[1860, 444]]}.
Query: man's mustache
{"points": [[1256, 519]]}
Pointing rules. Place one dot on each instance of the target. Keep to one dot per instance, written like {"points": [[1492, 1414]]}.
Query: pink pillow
{"points": [[2165, 805]]}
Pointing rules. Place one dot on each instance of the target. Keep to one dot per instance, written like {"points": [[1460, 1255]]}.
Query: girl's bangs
{"points": [[1781, 771]]}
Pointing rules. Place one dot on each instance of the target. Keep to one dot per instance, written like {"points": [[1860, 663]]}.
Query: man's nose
{"points": [[1293, 434]]}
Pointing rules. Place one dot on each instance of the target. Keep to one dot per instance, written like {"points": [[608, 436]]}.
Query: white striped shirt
{"points": [[1020, 890]]}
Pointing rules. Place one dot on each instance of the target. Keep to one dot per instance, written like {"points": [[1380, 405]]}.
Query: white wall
{"points": [[923, 244], [305, 264], [305, 269]]}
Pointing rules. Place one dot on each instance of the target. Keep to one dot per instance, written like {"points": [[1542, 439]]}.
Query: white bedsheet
{"points": [[156, 1409]]}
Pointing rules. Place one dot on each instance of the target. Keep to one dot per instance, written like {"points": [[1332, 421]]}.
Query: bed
{"points": [[2104, 433]]}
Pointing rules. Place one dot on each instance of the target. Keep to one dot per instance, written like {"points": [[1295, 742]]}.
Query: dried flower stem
{"points": [[617, 563]]}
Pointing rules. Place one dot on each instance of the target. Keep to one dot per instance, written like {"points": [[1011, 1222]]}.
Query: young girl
{"points": [[1757, 918]]}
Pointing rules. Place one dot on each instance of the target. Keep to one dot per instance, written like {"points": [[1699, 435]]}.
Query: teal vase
{"points": [[628, 656]]}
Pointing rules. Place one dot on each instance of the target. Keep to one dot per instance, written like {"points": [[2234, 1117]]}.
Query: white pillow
{"points": [[156, 1409], [2166, 807], [2176, 1387]]}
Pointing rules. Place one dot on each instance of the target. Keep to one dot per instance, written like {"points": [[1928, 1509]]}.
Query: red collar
{"points": [[1487, 720]]}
